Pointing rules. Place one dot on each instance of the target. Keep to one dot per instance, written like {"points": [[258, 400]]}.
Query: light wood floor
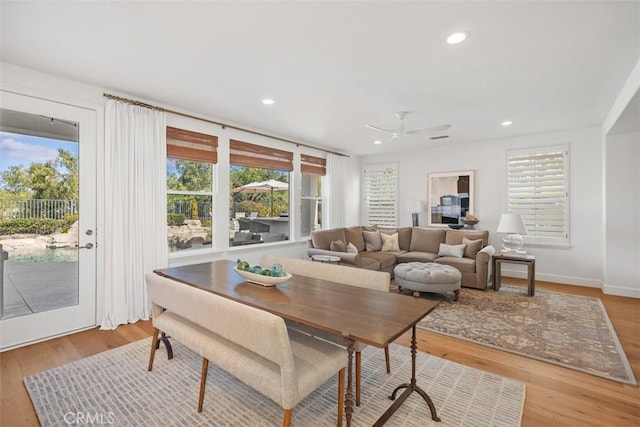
{"points": [[556, 396]]}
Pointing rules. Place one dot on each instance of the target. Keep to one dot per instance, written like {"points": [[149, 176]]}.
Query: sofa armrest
{"points": [[345, 257], [483, 263]]}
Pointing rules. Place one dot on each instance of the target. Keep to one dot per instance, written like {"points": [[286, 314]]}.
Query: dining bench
{"points": [[251, 344]]}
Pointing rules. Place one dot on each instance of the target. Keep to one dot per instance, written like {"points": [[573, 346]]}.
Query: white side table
{"points": [[326, 258]]}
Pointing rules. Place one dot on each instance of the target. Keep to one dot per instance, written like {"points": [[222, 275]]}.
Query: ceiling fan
{"points": [[401, 131]]}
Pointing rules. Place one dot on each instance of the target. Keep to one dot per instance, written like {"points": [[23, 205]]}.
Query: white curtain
{"points": [[135, 235], [333, 197]]}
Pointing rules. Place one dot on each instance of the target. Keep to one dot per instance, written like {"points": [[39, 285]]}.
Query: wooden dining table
{"points": [[356, 314]]}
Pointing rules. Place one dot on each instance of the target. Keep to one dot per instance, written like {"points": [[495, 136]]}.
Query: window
{"points": [[313, 170], [538, 189], [190, 160], [259, 193], [381, 194]]}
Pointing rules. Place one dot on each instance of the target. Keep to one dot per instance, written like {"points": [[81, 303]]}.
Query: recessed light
{"points": [[507, 123], [377, 142], [268, 101], [458, 37]]}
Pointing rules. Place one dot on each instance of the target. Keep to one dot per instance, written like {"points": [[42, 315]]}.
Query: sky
{"points": [[17, 149]]}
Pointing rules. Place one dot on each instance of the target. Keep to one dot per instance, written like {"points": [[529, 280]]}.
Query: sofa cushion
{"points": [[386, 259], [423, 240], [322, 239], [351, 248], [338, 246], [454, 237], [456, 251], [368, 263], [354, 235], [373, 241], [472, 247], [465, 265], [389, 242], [417, 256]]}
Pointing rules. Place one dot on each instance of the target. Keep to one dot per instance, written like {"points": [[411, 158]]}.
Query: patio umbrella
{"points": [[268, 186]]}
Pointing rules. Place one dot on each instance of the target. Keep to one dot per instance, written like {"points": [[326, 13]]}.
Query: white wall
{"points": [[622, 190], [581, 263]]}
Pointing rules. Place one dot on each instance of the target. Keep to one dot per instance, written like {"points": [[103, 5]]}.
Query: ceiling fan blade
{"points": [[381, 129], [431, 129]]}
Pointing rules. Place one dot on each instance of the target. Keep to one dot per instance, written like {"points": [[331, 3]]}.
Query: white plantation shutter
{"points": [[381, 194], [538, 190]]}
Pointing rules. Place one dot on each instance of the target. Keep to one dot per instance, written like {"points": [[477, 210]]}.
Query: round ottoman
{"points": [[428, 277]]}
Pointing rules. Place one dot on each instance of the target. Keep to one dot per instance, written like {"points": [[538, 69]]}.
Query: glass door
{"points": [[47, 219]]}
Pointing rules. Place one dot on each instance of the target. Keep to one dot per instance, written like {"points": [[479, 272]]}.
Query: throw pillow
{"points": [[338, 246], [472, 248], [456, 251], [351, 248], [389, 242], [372, 240]]}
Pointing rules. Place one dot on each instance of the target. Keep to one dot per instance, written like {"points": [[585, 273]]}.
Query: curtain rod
{"points": [[221, 124]]}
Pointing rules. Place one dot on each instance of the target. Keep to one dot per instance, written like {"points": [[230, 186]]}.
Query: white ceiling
{"points": [[333, 67]]}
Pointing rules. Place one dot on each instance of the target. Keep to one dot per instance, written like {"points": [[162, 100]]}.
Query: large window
{"points": [[538, 189], [381, 194], [190, 161], [313, 170], [259, 194]]}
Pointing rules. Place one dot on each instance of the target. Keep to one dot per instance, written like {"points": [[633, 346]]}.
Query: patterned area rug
{"points": [[115, 388], [567, 330]]}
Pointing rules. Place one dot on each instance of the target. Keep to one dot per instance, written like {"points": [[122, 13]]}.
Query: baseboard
{"points": [[555, 278], [621, 291]]}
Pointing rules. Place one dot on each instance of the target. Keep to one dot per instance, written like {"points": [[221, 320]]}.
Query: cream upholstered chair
{"points": [[253, 345], [376, 280]]}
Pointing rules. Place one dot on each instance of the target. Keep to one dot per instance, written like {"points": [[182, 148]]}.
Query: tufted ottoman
{"points": [[428, 277]]}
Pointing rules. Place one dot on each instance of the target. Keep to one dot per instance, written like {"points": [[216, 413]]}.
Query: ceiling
{"points": [[333, 67]]}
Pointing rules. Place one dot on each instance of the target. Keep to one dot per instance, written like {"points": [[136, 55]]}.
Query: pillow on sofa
{"points": [[338, 246], [423, 240], [351, 248], [472, 247], [389, 242], [456, 251], [372, 240], [354, 235]]}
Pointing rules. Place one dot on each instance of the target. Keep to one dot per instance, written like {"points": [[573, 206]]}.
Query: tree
{"points": [[190, 176]]}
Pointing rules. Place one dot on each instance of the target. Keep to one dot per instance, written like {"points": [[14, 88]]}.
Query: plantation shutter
{"points": [[258, 156], [313, 165], [538, 191], [381, 195], [189, 145]]}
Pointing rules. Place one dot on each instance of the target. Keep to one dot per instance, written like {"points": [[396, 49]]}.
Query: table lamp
{"points": [[414, 206], [512, 225]]}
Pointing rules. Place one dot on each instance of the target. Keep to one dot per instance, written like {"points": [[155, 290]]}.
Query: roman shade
{"points": [[258, 156], [189, 145], [313, 165]]}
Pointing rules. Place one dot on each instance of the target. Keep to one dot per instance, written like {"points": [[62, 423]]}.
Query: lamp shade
{"points": [[511, 223]]}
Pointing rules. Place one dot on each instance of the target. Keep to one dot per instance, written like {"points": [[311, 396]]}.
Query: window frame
{"points": [[533, 237], [379, 167]]}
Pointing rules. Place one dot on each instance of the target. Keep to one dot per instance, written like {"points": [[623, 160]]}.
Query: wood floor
{"points": [[556, 396]]}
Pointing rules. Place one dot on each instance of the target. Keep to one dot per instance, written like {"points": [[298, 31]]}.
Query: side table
{"points": [[525, 259], [326, 258]]}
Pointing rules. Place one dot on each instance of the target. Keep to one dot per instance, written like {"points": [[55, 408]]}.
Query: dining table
{"points": [[356, 314]]}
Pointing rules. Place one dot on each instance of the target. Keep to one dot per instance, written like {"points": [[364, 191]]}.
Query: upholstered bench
{"points": [[428, 277]]}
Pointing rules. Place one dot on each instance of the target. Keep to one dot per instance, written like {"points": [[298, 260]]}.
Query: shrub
{"points": [[31, 226], [175, 219]]}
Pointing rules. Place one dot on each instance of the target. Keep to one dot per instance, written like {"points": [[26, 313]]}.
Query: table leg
{"points": [[348, 399], [410, 388], [496, 275], [532, 279]]}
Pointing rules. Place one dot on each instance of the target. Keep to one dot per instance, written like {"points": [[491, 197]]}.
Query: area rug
{"points": [[115, 388], [567, 330]]}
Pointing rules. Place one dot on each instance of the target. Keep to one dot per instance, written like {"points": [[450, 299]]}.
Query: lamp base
{"points": [[414, 219], [512, 242]]}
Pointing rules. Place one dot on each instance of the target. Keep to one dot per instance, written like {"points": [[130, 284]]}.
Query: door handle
{"points": [[87, 246]]}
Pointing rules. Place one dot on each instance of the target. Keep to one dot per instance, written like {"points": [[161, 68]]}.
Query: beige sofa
{"points": [[414, 244]]}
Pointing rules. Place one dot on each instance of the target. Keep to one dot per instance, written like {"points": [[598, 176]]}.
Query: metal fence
{"points": [[37, 208], [184, 207]]}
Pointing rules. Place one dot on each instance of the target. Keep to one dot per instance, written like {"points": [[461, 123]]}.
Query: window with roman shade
{"points": [[313, 170], [190, 172], [258, 156], [381, 194], [538, 190]]}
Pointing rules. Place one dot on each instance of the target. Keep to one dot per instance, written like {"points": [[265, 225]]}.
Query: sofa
{"points": [[381, 248]]}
